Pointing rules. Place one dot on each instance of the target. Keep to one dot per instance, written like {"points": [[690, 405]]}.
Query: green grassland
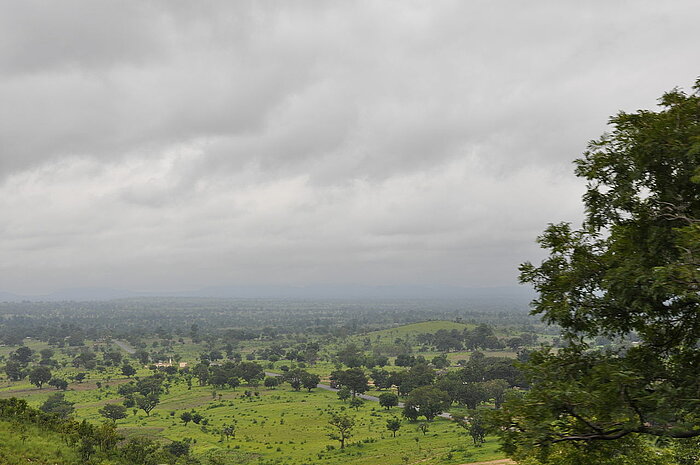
{"points": [[277, 426]]}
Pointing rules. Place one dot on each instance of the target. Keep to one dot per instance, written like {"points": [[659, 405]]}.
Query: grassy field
{"points": [[274, 426]]}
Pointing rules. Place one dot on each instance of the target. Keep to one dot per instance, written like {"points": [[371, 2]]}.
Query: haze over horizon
{"points": [[160, 147]]}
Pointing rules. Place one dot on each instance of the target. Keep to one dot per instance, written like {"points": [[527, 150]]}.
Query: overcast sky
{"points": [[174, 145]]}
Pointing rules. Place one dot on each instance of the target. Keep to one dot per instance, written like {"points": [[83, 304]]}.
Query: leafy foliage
{"points": [[630, 271]]}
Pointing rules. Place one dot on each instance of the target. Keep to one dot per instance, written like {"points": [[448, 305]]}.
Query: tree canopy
{"points": [[630, 273]]}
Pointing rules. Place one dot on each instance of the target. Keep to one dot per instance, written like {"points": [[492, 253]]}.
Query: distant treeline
{"points": [[228, 318]]}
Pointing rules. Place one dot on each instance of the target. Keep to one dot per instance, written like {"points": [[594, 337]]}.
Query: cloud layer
{"points": [[165, 146]]}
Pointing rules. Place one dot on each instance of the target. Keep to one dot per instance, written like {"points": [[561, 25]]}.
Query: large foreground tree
{"points": [[630, 273]]}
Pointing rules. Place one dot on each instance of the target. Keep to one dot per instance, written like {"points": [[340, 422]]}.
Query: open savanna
{"points": [[275, 426]]}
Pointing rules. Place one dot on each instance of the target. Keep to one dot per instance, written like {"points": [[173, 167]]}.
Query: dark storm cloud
{"points": [[308, 142]]}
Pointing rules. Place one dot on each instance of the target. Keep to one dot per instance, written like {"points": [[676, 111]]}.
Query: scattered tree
{"points": [[14, 370], [344, 393], [353, 378], [147, 402], [427, 401], [424, 427], [393, 425], [229, 430], [56, 403], [58, 383], [356, 403], [178, 448], [342, 425], [310, 381], [113, 412], [388, 400], [39, 375], [128, 370], [186, 417]]}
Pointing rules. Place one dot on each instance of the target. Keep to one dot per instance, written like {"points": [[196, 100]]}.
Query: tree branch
{"points": [[619, 433]]}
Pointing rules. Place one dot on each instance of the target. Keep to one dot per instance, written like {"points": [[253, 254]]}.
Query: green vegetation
{"points": [[630, 273]]}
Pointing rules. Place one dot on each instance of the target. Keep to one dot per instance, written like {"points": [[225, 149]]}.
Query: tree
{"points": [[440, 361], [424, 427], [57, 404], [23, 355], [294, 378], [351, 355], [271, 382], [58, 383], [496, 389], [427, 401], [14, 370], [147, 402], [178, 448], [474, 426], [381, 379], [344, 393], [342, 425], [405, 360], [46, 355], [356, 403], [202, 373], [128, 370], [310, 381], [251, 372], [140, 450], [477, 428], [106, 436], [471, 394], [142, 356], [631, 270], [113, 412], [393, 425], [229, 430], [418, 375], [353, 378], [112, 358], [388, 400], [186, 417], [150, 385], [39, 375]]}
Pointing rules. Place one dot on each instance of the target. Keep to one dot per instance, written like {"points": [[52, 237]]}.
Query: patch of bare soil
{"points": [[492, 462]]}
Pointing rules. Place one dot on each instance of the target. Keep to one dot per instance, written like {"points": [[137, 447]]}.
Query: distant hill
{"points": [[413, 329]]}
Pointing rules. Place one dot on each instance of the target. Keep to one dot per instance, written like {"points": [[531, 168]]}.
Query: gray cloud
{"points": [[158, 146]]}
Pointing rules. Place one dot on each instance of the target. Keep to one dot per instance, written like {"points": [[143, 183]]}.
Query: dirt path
{"points": [[125, 346], [492, 462], [87, 385]]}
